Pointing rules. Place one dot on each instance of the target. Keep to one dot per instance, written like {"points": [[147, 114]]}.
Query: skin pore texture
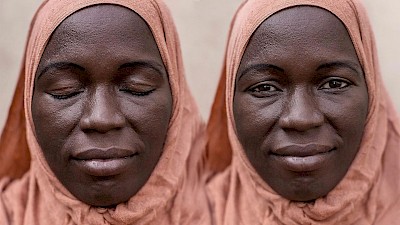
{"points": [[102, 104], [301, 102]]}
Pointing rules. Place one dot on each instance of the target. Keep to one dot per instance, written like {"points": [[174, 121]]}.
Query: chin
{"points": [[106, 199], [302, 195], [106, 192], [305, 189]]}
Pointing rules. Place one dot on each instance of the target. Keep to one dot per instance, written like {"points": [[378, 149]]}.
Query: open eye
{"points": [[264, 87], [263, 90], [335, 84]]}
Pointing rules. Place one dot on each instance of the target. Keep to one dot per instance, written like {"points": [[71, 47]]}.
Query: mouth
{"points": [[104, 162], [303, 158]]}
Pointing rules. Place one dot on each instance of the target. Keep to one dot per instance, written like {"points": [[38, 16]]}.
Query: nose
{"points": [[301, 112], [101, 112]]}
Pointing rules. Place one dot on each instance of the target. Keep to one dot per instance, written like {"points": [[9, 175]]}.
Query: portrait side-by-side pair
{"points": [[103, 128]]}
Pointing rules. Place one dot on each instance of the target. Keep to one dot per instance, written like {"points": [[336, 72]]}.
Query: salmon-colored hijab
{"points": [[176, 182], [370, 191]]}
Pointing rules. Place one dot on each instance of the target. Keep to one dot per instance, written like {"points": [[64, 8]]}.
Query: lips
{"points": [[303, 158], [109, 153], [104, 162]]}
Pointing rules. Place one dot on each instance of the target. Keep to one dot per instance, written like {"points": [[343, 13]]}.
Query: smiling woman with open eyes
{"points": [[114, 135], [301, 106]]}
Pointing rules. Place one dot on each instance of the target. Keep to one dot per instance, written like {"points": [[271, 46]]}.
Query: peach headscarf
{"points": [[176, 182], [370, 191]]}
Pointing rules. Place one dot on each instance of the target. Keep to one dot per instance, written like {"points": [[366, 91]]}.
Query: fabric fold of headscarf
{"points": [[175, 184], [370, 191]]}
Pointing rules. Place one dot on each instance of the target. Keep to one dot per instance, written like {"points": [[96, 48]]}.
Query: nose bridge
{"points": [[102, 111], [301, 111]]}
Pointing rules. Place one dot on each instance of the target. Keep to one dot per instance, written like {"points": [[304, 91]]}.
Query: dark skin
{"points": [[300, 102], [102, 104]]}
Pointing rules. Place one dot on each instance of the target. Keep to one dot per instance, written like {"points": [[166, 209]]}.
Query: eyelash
{"points": [[67, 96], [263, 90], [135, 93], [64, 97], [254, 89], [343, 84]]}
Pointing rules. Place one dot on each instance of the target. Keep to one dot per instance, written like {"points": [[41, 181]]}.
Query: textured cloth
{"points": [[370, 191], [176, 182]]}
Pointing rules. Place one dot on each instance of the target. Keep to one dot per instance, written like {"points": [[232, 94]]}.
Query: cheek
{"points": [[254, 118], [54, 121], [150, 117], [347, 114]]}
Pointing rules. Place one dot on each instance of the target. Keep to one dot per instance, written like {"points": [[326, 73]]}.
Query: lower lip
{"points": [[105, 167], [304, 164]]}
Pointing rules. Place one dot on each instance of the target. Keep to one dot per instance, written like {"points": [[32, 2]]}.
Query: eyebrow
{"points": [[60, 66], [147, 64], [260, 67], [340, 64]]}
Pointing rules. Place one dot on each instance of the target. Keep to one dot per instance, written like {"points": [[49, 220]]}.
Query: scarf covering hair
{"points": [[370, 191], [176, 182]]}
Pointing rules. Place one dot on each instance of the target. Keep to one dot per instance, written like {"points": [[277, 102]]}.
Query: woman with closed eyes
{"points": [[303, 116], [113, 133]]}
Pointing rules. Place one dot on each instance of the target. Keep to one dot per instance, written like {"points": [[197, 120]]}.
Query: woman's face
{"points": [[102, 104], [300, 102]]}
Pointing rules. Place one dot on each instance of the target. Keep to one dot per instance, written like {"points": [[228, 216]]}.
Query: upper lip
{"points": [[104, 153], [302, 150]]}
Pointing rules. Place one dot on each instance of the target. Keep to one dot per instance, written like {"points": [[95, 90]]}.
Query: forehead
{"points": [[102, 17], [302, 16], [299, 35], [106, 26], [303, 26], [99, 34]]}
